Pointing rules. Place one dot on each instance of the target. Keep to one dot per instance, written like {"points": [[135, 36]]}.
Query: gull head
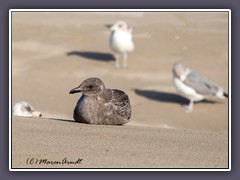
{"points": [[23, 108], [89, 87], [120, 25], [179, 70]]}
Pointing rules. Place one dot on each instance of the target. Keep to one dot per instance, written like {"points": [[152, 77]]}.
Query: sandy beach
{"points": [[102, 146], [54, 52]]}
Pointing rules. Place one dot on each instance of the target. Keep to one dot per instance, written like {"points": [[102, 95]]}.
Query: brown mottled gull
{"points": [[99, 105], [194, 86]]}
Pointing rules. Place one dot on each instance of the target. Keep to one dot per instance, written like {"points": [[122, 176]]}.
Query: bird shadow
{"points": [[99, 56], [64, 120], [167, 97]]}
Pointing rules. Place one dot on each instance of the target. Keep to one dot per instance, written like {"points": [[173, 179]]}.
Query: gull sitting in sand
{"points": [[194, 86], [99, 105], [121, 41], [25, 109]]}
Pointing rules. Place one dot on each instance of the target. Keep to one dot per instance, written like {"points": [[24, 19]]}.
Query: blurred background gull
{"points": [[121, 41]]}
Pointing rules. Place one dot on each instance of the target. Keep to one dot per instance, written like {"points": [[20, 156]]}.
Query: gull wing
{"points": [[201, 84], [121, 103]]}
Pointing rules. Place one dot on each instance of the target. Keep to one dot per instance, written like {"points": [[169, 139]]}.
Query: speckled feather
{"points": [[122, 103], [108, 106]]}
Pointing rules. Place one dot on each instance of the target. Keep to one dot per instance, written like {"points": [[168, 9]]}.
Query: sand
{"points": [[102, 146], [54, 52]]}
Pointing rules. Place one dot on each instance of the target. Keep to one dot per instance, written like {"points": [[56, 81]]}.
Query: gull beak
{"points": [[37, 114], [75, 90], [108, 26]]}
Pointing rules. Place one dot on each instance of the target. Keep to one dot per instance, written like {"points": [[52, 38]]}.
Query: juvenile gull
{"points": [[121, 41], [99, 105], [23, 108], [194, 86]]}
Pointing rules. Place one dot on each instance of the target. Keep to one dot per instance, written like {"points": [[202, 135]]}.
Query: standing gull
{"points": [[121, 41], [23, 108], [194, 86], [99, 105]]}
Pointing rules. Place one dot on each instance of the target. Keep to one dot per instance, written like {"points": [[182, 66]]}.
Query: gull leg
{"points": [[125, 56], [188, 108], [117, 61]]}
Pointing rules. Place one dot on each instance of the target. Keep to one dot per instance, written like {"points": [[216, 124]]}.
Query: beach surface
{"points": [[53, 52], [47, 143]]}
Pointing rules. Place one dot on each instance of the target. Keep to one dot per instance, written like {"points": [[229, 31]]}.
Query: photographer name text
{"points": [[45, 161]]}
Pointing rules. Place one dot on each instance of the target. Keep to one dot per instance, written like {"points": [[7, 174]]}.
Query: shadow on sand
{"points": [[64, 120], [99, 56], [167, 97]]}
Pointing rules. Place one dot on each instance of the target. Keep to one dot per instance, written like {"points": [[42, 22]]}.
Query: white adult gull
{"points": [[121, 41], [194, 86], [23, 108], [99, 105]]}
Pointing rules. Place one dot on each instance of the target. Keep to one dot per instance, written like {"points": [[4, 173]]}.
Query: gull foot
{"points": [[187, 108], [117, 66]]}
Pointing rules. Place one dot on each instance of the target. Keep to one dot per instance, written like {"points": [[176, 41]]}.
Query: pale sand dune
{"points": [[114, 146], [52, 52]]}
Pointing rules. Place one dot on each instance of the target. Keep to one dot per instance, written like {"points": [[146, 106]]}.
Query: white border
{"points": [[117, 10], [10, 89], [229, 88], [120, 10]]}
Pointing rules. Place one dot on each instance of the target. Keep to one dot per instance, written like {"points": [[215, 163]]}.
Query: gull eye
{"points": [[90, 86], [28, 108]]}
